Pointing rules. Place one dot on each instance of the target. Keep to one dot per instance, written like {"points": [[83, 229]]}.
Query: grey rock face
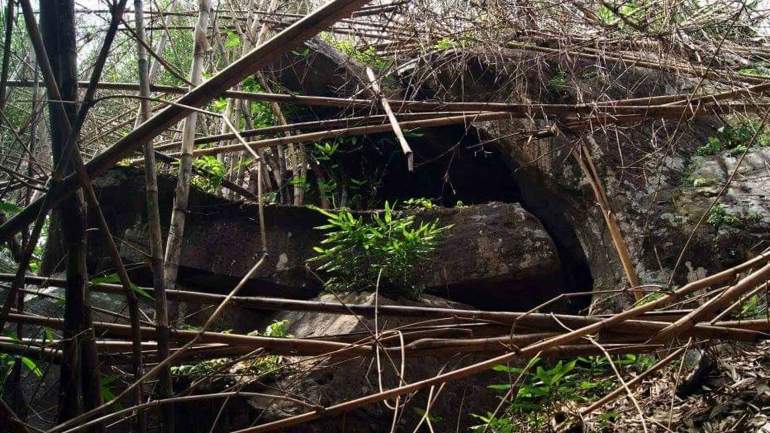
{"points": [[494, 253], [657, 187]]}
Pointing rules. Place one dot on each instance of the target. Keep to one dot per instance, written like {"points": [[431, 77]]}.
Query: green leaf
{"points": [[105, 387], [106, 279], [114, 279], [48, 334], [31, 366], [141, 292]]}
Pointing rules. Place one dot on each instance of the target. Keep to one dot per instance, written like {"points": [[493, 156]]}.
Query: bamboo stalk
{"points": [[165, 389], [70, 152], [392, 119], [668, 106], [583, 157], [352, 131], [708, 309], [182, 194], [6, 51]]}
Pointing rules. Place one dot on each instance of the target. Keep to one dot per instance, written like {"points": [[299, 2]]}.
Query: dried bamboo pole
{"points": [[339, 347], [306, 126], [281, 346], [353, 131], [186, 399], [392, 119], [708, 309], [668, 107], [693, 70], [79, 372], [523, 321], [212, 318], [198, 336], [70, 152], [295, 155], [583, 157]]}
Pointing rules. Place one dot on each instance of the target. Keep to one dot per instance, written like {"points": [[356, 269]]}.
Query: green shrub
{"points": [[734, 138], [758, 70], [7, 361], [358, 253], [718, 216], [712, 147], [540, 386]]}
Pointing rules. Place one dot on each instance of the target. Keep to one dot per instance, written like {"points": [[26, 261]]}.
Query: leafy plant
{"points": [[539, 387], [754, 307], [448, 43], [261, 113], [8, 208], [200, 369], [278, 329], [219, 105], [734, 138], [215, 170], [558, 82], [357, 253], [649, 297], [7, 362], [759, 70], [718, 216], [300, 181], [419, 203], [232, 40], [106, 384], [712, 147], [37, 253], [444, 44]]}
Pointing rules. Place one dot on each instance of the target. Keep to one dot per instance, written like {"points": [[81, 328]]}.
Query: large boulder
{"points": [[657, 185], [495, 254]]}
